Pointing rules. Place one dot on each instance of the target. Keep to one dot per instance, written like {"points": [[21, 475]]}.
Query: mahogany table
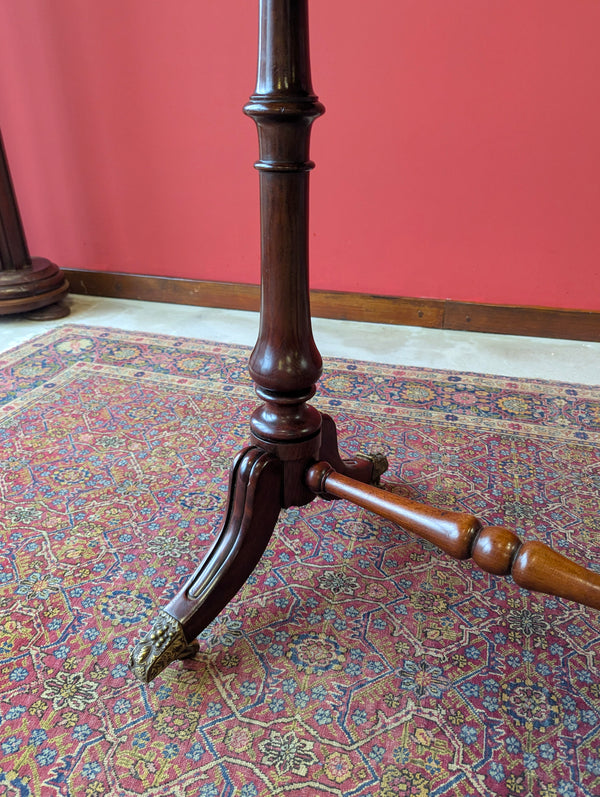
{"points": [[293, 454]]}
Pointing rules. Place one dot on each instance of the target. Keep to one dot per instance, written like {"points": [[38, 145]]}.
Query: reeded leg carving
{"points": [[495, 549], [253, 508]]}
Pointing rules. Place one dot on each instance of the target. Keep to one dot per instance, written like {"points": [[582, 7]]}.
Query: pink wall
{"points": [[459, 156]]}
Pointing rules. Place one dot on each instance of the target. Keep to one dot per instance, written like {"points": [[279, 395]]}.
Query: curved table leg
{"points": [[253, 508]]}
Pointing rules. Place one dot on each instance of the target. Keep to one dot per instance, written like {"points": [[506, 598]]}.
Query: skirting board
{"points": [[544, 322]]}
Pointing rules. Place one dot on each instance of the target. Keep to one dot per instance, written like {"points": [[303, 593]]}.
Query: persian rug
{"points": [[357, 660]]}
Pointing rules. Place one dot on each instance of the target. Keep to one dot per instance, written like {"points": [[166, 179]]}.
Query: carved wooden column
{"points": [[27, 285], [285, 363]]}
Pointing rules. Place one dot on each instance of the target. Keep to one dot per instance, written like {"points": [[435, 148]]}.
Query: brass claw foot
{"points": [[162, 645]]}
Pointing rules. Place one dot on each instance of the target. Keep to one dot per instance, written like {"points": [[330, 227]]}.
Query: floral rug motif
{"points": [[357, 660]]}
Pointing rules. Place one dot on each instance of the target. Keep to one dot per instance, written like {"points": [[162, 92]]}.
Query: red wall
{"points": [[459, 156]]}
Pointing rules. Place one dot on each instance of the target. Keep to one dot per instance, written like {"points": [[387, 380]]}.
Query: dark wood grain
{"points": [[252, 511], [285, 363]]}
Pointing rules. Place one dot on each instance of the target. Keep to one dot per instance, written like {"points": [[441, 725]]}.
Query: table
{"points": [[293, 453]]}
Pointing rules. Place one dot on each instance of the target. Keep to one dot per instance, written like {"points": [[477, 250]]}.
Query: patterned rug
{"points": [[357, 660]]}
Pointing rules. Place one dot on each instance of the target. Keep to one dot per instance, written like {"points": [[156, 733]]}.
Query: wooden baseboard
{"points": [[537, 322], [544, 322]]}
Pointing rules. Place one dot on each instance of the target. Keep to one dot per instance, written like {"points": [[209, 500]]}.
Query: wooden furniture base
{"points": [[34, 286], [36, 289], [293, 454]]}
